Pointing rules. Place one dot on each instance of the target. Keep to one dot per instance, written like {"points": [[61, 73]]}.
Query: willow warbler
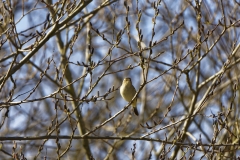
{"points": [[128, 91]]}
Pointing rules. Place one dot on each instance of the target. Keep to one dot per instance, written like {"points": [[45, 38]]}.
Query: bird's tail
{"points": [[135, 110]]}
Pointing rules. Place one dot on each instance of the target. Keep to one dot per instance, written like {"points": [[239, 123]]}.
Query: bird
{"points": [[127, 92]]}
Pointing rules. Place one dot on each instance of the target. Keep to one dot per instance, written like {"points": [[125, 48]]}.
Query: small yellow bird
{"points": [[128, 91]]}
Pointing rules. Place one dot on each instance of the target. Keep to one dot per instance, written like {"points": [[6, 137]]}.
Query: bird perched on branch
{"points": [[128, 91]]}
